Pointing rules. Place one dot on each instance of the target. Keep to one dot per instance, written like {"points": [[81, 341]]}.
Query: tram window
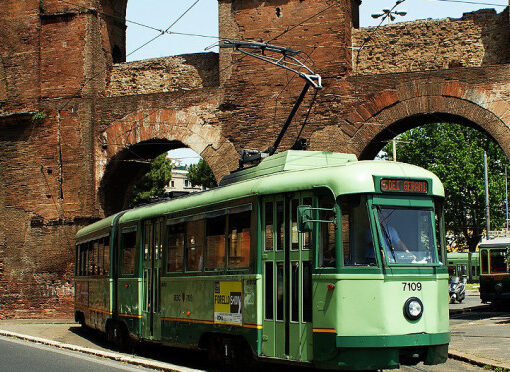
{"points": [[239, 240], [307, 292], [175, 254], [358, 249], [439, 219], [106, 255], [498, 262], [100, 258], [268, 223], [307, 236], [128, 252], [269, 290], [279, 291], [327, 247], [215, 243], [195, 245], [83, 265], [484, 261], [279, 225], [90, 254], [295, 292], [294, 230], [147, 240]]}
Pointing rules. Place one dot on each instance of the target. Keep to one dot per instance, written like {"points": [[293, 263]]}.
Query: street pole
{"points": [[394, 149], [487, 211], [506, 198]]}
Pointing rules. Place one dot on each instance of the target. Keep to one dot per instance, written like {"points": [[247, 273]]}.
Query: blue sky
{"points": [[202, 19]]}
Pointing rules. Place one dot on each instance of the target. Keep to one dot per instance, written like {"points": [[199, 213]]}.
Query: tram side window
{"points": [[358, 248], [106, 260], [175, 256], [484, 261], [327, 249], [90, 255], [195, 245], [128, 252], [268, 223], [498, 261], [215, 243], [239, 240], [439, 215], [97, 257]]}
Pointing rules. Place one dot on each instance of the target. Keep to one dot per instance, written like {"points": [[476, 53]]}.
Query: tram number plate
{"points": [[411, 286]]}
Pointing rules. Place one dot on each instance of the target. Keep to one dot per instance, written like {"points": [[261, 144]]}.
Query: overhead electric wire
{"points": [[471, 2], [166, 30]]}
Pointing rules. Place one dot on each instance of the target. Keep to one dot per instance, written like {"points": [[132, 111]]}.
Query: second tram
{"points": [[494, 270]]}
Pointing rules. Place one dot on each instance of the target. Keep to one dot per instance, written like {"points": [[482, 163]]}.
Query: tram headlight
{"points": [[413, 308]]}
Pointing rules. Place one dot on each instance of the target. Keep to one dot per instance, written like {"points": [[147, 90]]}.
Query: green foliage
{"points": [[39, 116], [153, 183], [201, 175], [455, 154]]}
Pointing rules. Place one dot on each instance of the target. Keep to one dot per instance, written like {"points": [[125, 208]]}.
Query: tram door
{"points": [[287, 270], [152, 257]]}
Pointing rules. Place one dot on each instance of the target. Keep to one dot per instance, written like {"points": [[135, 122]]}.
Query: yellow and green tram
{"points": [[309, 257]]}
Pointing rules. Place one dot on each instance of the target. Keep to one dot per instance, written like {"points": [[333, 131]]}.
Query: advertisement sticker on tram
{"points": [[228, 302]]}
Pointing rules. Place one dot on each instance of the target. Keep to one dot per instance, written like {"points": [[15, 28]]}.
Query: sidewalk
{"points": [[482, 338], [66, 334]]}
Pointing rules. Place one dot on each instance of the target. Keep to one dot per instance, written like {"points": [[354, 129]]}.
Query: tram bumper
{"points": [[383, 352]]}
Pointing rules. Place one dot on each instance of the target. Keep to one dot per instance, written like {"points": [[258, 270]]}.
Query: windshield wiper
{"points": [[386, 235]]}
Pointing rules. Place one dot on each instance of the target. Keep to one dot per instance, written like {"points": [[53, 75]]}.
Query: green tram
{"points": [[310, 257], [464, 264], [494, 270]]}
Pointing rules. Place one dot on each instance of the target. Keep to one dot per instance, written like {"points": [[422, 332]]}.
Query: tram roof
{"points": [[294, 171], [499, 242], [289, 171]]}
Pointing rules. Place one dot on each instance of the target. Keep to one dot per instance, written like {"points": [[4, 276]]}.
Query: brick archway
{"points": [[389, 113], [128, 145]]}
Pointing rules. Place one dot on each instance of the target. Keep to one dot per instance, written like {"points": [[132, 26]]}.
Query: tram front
{"points": [[384, 300]]}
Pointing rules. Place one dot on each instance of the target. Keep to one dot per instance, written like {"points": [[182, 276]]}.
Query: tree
{"points": [[153, 183], [201, 175], [455, 154]]}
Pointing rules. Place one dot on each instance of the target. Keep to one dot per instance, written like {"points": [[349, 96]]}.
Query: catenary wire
{"points": [[166, 30], [471, 2]]}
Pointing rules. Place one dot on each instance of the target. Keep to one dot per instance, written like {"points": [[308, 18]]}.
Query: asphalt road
{"points": [[25, 356], [467, 302]]}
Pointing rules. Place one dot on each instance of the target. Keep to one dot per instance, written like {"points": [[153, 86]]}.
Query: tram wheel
{"points": [[117, 336]]}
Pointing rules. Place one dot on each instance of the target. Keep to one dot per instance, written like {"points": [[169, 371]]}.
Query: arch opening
{"points": [[401, 126], [117, 187], [454, 148]]}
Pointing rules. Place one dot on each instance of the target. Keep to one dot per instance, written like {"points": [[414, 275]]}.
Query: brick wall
{"points": [[191, 71], [477, 39], [56, 60]]}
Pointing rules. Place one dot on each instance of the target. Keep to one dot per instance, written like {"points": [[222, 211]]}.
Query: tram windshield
{"points": [[498, 261], [407, 235]]}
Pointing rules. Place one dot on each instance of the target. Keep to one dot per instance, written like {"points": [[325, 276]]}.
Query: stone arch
{"points": [[389, 113], [128, 145]]}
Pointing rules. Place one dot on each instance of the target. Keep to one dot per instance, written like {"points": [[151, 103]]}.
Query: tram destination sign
{"points": [[404, 186]]}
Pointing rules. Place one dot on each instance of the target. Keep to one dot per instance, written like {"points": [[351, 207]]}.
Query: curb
{"points": [[477, 360], [468, 309], [119, 357]]}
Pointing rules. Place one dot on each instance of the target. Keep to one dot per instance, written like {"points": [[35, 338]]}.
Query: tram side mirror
{"points": [[305, 220]]}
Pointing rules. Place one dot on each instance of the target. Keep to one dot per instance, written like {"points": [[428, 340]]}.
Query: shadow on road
{"points": [[183, 357]]}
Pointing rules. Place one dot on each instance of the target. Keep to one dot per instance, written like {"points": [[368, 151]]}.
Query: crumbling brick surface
{"points": [[477, 39], [76, 124]]}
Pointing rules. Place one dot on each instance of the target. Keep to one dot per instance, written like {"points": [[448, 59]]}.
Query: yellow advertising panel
{"points": [[228, 302]]}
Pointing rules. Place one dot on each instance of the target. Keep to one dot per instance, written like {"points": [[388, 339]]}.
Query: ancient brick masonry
{"points": [[75, 119]]}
